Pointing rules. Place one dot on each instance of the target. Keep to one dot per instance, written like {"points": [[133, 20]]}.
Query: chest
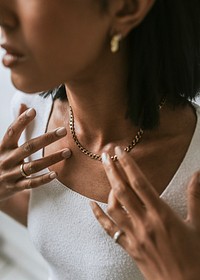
{"points": [[65, 231], [87, 177], [159, 160]]}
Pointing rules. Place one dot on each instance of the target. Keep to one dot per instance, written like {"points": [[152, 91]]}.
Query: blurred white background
{"points": [[18, 258]]}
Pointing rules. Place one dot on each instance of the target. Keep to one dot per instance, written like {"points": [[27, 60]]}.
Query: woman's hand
{"points": [[12, 166], [163, 246]]}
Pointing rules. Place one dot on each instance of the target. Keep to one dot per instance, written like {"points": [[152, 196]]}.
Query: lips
{"points": [[11, 50], [12, 56]]}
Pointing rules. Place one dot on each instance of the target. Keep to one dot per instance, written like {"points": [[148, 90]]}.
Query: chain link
{"points": [[94, 156]]}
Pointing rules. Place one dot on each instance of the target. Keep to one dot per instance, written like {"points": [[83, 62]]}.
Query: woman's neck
{"points": [[100, 115], [99, 102]]}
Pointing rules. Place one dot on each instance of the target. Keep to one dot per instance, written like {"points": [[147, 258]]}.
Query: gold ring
{"points": [[117, 235], [23, 173]]}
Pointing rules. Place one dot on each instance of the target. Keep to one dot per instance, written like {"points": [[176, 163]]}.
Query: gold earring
{"points": [[115, 43]]}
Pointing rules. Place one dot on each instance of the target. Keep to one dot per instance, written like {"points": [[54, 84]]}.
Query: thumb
{"points": [[193, 194]]}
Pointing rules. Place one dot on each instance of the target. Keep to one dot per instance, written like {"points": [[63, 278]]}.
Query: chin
{"points": [[31, 86]]}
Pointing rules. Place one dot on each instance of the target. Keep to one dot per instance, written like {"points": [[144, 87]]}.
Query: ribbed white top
{"points": [[62, 225]]}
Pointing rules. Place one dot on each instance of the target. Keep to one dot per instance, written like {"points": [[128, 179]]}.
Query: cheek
{"points": [[59, 47]]}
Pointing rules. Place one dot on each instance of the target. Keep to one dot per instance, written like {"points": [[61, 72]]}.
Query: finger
{"points": [[193, 193], [22, 108], [34, 182], [108, 225], [123, 192], [118, 214], [36, 166], [34, 145], [40, 164], [13, 133], [138, 182]]}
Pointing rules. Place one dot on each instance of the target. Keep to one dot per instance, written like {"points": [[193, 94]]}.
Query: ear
{"points": [[130, 13]]}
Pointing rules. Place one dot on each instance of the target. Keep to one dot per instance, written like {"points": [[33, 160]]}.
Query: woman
{"points": [[126, 80]]}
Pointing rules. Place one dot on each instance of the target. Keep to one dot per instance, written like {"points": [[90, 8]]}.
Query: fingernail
{"points": [[105, 158], [66, 154], [61, 131], [30, 112], [53, 175], [119, 151]]}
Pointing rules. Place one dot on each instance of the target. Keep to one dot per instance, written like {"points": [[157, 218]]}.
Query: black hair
{"points": [[164, 60]]}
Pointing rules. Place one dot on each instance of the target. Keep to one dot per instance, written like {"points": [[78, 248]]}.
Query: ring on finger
{"points": [[117, 235], [23, 173]]}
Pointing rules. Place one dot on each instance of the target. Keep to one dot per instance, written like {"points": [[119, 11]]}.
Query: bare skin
{"points": [[150, 153], [163, 246], [29, 27], [12, 156]]}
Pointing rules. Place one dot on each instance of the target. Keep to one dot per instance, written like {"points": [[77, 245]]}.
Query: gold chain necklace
{"points": [[94, 156]]}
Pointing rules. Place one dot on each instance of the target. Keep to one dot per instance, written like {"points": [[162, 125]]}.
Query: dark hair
{"points": [[164, 60]]}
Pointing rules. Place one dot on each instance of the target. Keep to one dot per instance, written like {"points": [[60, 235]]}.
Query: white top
{"points": [[63, 227]]}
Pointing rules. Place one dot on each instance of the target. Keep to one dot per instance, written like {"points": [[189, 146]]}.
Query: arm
{"points": [[17, 207]]}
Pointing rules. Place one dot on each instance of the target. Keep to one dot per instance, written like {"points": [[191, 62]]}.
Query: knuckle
{"points": [[108, 227], [11, 188], [149, 231], [30, 169], [28, 146], [141, 242], [140, 247], [138, 183], [49, 137], [10, 131], [4, 165], [120, 189], [29, 184], [22, 119], [160, 220]]}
